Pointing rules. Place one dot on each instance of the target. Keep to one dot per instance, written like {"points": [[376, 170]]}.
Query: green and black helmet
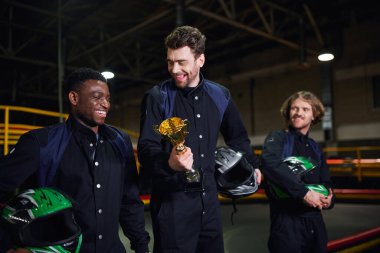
{"points": [[300, 165], [42, 220]]}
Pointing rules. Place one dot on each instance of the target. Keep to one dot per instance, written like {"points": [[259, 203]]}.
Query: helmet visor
{"points": [[55, 229]]}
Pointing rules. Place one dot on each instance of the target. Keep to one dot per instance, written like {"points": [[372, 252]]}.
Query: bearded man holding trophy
{"points": [[181, 119]]}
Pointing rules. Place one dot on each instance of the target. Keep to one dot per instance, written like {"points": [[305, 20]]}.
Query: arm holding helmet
{"points": [[15, 168], [314, 198], [276, 171], [325, 179], [19, 165], [236, 137]]}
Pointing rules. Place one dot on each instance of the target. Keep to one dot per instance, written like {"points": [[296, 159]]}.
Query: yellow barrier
{"points": [[354, 165], [11, 132]]}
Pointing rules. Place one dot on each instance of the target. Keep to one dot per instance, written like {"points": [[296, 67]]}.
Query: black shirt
{"points": [[92, 172], [205, 124]]}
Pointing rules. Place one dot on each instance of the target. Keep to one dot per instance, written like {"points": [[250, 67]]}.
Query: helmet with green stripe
{"points": [[42, 220], [300, 165]]}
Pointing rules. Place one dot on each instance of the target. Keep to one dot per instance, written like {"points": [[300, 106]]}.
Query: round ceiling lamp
{"points": [[108, 74], [325, 56]]}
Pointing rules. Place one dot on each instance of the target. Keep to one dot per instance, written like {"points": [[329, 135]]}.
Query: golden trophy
{"points": [[175, 130]]}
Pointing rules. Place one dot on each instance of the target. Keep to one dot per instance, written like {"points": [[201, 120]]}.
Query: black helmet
{"points": [[42, 220], [235, 176]]}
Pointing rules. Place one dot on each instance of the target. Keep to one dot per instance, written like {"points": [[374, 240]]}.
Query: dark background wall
{"points": [[269, 77]]}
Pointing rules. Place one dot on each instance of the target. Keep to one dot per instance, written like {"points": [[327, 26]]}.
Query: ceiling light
{"points": [[108, 74], [325, 56]]}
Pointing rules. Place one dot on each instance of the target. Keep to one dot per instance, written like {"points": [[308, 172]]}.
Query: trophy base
{"points": [[193, 181]]}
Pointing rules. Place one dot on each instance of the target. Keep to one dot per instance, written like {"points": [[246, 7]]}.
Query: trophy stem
{"points": [[180, 148]]}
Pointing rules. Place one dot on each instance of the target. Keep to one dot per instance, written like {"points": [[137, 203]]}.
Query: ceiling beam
{"points": [[123, 34], [28, 60], [248, 28], [262, 17], [314, 25]]}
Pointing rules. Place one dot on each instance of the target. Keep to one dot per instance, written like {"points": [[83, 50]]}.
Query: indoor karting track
{"points": [[251, 223]]}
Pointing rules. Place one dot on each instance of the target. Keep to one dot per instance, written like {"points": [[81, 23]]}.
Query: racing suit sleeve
{"points": [[15, 168], [19, 165], [151, 152], [276, 171], [132, 220], [235, 135], [325, 179]]}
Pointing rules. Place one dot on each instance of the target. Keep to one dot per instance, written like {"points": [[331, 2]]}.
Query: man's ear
{"points": [[73, 97], [201, 59]]}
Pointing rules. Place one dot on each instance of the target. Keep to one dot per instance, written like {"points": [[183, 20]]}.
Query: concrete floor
{"points": [[251, 224]]}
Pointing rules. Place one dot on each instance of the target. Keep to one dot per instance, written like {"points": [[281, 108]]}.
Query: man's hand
{"points": [[182, 161], [313, 199], [326, 200], [258, 176]]}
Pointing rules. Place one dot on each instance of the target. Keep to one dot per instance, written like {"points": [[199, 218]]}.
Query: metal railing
{"points": [[10, 133], [355, 161], [343, 161]]}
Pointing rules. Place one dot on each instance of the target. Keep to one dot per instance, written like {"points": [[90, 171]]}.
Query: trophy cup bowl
{"points": [[175, 130]]}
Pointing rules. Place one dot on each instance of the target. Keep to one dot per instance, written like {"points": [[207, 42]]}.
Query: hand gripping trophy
{"points": [[174, 130]]}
